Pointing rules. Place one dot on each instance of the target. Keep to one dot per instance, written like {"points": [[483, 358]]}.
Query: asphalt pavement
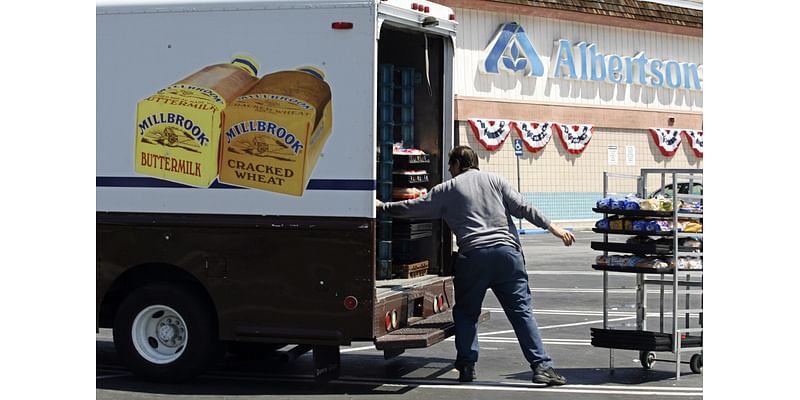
{"points": [[567, 300]]}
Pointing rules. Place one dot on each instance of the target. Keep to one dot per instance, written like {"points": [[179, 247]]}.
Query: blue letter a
{"points": [[522, 53]]}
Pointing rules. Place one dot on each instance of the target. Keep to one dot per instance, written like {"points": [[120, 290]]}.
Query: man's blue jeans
{"points": [[501, 268]]}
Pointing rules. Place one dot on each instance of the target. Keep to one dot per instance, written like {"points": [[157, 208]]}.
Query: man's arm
{"points": [[518, 207], [426, 206]]}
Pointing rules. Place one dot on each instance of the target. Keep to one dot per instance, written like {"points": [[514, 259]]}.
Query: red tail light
{"points": [[452, 17], [388, 321], [441, 302], [350, 303], [342, 25], [427, 9], [414, 6]]}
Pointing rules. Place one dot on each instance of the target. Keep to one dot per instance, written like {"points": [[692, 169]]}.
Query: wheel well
{"points": [[142, 275]]}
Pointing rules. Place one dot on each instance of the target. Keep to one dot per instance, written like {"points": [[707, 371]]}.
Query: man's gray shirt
{"points": [[478, 206]]}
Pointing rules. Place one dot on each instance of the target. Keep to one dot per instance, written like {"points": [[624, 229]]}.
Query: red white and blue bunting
{"points": [[535, 135], [491, 132], [574, 137], [696, 141], [667, 140]]}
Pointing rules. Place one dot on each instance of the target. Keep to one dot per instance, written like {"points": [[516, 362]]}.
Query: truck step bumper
{"points": [[423, 333]]}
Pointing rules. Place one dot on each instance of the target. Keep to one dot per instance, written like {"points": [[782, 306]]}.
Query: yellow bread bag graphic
{"points": [[178, 128], [274, 133]]}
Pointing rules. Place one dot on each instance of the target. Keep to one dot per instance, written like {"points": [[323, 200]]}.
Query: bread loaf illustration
{"points": [[178, 128], [275, 132]]}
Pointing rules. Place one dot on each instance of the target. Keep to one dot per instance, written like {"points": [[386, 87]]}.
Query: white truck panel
{"points": [[167, 46]]}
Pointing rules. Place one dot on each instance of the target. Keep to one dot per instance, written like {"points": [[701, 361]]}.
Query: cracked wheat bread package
{"points": [[178, 128], [274, 133]]}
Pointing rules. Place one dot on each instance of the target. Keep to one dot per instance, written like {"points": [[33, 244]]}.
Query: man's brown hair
{"points": [[466, 157]]}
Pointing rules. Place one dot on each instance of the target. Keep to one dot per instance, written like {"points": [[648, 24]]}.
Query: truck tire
{"points": [[166, 333]]}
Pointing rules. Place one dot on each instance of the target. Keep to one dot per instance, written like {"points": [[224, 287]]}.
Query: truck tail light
{"points": [[441, 302], [350, 303], [388, 321], [342, 25]]}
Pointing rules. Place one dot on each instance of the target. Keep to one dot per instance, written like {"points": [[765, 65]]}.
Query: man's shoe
{"points": [[548, 376], [466, 373]]}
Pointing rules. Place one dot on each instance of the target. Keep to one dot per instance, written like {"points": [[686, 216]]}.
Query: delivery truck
{"points": [[240, 148]]}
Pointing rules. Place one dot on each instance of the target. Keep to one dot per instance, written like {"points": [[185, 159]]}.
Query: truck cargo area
{"points": [[410, 153]]}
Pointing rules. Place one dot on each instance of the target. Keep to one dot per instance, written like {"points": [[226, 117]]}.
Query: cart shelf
{"points": [[647, 213], [640, 340], [634, 233], [634, 213], [640, 270], [658, 249]]}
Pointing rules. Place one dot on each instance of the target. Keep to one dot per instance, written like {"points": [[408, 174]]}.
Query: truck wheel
{"points": [[647, 359], [696, 363], [166, 333]]}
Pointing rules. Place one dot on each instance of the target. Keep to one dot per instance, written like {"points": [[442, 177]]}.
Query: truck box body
{"points": [[293, 266]]}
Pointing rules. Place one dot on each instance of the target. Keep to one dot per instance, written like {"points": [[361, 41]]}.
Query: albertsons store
{"points": [[584, 87]]}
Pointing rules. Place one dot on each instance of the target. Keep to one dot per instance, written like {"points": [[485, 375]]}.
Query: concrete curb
{"points": [[537, 231], [570, 225]]}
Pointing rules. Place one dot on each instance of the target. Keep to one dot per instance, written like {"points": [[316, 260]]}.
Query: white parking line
{"points": [[590, 290], [599, 321], [113, 376], [561, 342], [348, 350], [588, 313], [592, 273], [570, 312]]}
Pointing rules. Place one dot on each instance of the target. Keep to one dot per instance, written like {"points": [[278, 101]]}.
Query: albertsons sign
{"points": [[511, 50]]}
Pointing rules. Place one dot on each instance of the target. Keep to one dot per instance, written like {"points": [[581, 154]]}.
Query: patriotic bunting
{"points": [[574, 137], [667, 140], [696, 141], [491, 133], [535, 135]]}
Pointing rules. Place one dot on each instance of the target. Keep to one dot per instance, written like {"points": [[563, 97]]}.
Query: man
{"points": [[478, 207]]}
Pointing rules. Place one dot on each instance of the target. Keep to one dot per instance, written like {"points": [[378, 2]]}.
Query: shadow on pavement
{"points": [[233, 376], [599, 376]]}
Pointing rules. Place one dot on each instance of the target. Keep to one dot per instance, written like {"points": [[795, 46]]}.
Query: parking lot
{"points": [[567, 298]]}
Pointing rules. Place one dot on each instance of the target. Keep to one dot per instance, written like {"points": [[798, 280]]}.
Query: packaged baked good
{"points": [[275, 132], [178, 128]]}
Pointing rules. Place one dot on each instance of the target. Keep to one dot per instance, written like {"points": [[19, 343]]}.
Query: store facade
{"points": [[616, 88]]}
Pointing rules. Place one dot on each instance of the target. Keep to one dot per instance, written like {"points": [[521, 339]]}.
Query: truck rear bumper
{"points": [[423, 333]]}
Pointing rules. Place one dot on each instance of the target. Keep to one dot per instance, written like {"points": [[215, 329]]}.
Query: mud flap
{"points": [[327, 363]]}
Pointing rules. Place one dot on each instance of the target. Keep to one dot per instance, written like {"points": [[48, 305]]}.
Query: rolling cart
{"points": [[663, 251]]}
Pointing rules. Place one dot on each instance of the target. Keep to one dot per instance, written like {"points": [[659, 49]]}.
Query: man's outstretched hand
{"points": [[566, 236]]}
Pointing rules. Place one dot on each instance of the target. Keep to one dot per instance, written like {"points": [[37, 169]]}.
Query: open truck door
{"points": [[414, 290]]}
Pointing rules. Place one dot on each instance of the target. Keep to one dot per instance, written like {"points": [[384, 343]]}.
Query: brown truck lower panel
{"points": [[423, 333]]}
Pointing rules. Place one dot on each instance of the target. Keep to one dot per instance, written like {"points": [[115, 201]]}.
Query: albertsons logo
{"points": [[512, 50]]}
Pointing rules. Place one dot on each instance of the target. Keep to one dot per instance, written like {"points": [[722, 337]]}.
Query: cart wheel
{"points": [[647, 358], [696, 363]]}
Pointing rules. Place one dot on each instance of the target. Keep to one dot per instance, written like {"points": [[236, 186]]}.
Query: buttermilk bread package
{"points": [[274, 133], [178, 128]]}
